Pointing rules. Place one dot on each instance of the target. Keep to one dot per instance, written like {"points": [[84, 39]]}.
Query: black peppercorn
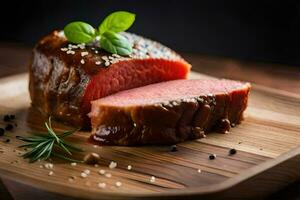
{"points": [[174, 148], [6, 118], [2, 131], [212, 156], [12, 116], [232, 151], [7, 140], [9, 127]]}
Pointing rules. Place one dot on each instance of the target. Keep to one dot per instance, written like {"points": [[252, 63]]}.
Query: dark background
{"points": [[251, 30]]}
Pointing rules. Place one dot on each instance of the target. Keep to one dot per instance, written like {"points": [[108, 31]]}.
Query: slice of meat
{"points": [[65, 78], [168, 112]]}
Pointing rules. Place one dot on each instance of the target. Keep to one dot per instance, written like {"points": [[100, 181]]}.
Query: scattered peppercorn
{"points": [[2, 131], [174, 148], [232, 151], [7, 140], [6, 118], [9, 127], [12, 117], [212, 156]]}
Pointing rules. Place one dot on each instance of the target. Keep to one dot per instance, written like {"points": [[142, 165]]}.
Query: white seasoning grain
{"points": [[118, 184], [108, 175], [112, 165], [87, 171], [102, 185], [48, 166], [84, 53], [152, 179], [199, 170], [83, 175], [73, 164], [50, 173], [98, 62], [129, 167], [106, 63], [101, 171], [82, 61]]}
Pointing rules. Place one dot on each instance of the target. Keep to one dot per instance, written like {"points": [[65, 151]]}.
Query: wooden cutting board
{"points": [[267, 143]]}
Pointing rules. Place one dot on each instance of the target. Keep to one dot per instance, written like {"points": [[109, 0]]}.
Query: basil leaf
{"points": [[79, 32], [117, 22], [115, 43]]}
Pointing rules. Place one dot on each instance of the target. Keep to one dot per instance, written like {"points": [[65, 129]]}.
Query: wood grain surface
{"points": [[267, 142]]}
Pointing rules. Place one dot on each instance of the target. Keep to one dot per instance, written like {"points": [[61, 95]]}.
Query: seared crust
{"points": [[168, 123]]}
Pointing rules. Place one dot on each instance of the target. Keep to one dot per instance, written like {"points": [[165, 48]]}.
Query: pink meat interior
{"points": [[170, 90]]}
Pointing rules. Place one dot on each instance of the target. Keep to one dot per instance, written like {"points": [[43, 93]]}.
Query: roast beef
{"points": [[65, 78], [168, 112]]}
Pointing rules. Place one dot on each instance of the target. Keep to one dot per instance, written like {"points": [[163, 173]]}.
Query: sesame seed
{"points": [[152, 179], [82, 61], [112, 165], [101, 171], [104, 57], [199, 171], [96, 165], [70, 52], [129, 167], [64, 49], [96, 51], [81, 46], [48, 166], [50, 173], [108, 175], [98, 62], [93, 48], [87, 171], [84, 53], [116, 55], [41, 166], [101, 185], [73, 164], [97, 38], [106, 63], [118, 184], [95, 146], [83, 175]]}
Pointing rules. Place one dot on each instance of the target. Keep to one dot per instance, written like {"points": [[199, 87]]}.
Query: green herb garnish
{"points": [[42, 146], [108, 31]]}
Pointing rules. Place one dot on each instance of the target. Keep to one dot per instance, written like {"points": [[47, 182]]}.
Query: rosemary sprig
{"points": [[42, 146]]}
